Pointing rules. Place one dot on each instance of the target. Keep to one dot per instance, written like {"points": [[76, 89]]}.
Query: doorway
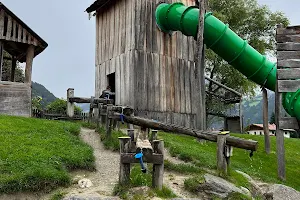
{"points": [[111, 81]]}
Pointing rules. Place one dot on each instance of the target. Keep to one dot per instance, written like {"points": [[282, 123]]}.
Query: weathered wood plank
{"points": [[122, 26], [172, 63], [15, 28], [123, 77], [2, 14], [156, 73], [126, 78], [20, 29], [292, 63], [151, 86], [116, 29], [97, 43], [283, 55], [101, 39], [148, 25], [111, 31], [177, 103], [288, 123], [191, 48], [129, 158], [9, 28], [288, 47], [132, 21], [145, 97], [142, 33], [127, 25], [292, 30], [162, 83], [185, 48], [288, 85], [193, 88], [182, 87], [266, 121], [168, 66], [158, 169], [124, 175], [288, 38], [131, 80], [137, 5], [118, 81], [179, 38], [107, 21], [187, 86], [288, 73]]}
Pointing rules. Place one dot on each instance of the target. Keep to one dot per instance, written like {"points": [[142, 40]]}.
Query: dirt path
{"points": [[107, 169]]}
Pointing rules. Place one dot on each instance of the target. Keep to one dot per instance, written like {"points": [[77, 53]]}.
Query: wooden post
{"points": [[1, 58], [279, 133], [241, 115], [124, 174], [108, 121], [70, 106], [91, 110], [13, 68], [29, 62], [221, 159], [158, 170], [130, 133], [199, 96], [265, 120], [153, 135], [99, 115]]}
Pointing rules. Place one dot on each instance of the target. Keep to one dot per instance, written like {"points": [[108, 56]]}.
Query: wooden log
{"points": [[158, 169], [151, 158], [70, 105], [124, 174], [88, 100], [223, 86], [206, 135], [221, 160], [266, 121], [29, 62]]}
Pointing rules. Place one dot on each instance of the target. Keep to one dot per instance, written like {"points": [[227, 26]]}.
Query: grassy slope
{"points": [[261, 166], [37, 154]]}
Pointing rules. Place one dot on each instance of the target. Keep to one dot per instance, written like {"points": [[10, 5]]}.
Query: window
{"points": [[260, 133], [254, 132]]}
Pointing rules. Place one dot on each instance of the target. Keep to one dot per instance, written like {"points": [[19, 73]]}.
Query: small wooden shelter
{"points": [[23, 44]]}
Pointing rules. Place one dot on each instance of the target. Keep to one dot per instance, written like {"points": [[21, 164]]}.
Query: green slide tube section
{"points": [[228, 45]]}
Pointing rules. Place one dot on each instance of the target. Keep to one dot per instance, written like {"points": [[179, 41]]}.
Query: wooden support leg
{"points": [[108, 121], [158, 170], [153, 135], [70, 105], [221, 159], [124, 174]]}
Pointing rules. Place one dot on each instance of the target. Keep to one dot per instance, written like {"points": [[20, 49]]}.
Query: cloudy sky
{"points": [[69, 59]]}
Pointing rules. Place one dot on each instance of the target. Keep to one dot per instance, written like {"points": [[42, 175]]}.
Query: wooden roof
{"points": [[16, 35], [99, 5]]}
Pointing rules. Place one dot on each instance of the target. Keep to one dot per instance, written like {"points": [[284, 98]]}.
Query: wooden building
{"points": [[23, 44], [148, 70]]}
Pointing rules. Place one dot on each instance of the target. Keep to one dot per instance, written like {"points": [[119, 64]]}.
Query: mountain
{"points": [[40, 90]]}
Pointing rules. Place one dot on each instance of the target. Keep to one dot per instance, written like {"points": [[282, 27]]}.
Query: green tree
{"points": [[272, 119], [252, 22], [59, 106]]}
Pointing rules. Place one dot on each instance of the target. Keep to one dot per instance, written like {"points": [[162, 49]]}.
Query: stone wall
{"points": [[15, 99]]}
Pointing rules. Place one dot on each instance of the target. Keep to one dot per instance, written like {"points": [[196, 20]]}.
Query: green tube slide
{"points": [[228, 45]]}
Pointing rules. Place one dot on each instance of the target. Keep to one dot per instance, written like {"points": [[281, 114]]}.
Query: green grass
{"points": [[138, 179], [192, 184], [37, 154], [183, 168], [113, 142], [88, 125], [260, 166]]}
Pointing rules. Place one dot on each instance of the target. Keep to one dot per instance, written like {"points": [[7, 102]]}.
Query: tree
{"points": [[272, 119], [256, 24], [59, 106]]}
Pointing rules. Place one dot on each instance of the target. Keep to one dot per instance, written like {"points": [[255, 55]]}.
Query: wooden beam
{"points": [[223, 86], [2, 14], [291, 30], [13, 68], [88, 100], [288, 38], [284, 55], [29, 62], [266, 121], [175, 129], [286, 74], [199, 96], [127, 158]]}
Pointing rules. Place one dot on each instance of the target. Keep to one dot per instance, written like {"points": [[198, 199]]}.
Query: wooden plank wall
{"points": [[154, 71], [15, 99], [11, 30]]}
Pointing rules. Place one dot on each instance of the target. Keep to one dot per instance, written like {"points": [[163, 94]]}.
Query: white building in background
{"points": [[258, 129]]}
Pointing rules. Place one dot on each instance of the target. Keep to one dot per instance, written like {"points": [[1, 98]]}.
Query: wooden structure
{"points": [[288, 64], [23, 44], [149, 70]]}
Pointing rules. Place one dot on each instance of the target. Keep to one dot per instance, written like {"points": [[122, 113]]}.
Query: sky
{"points": [[69, 60]]}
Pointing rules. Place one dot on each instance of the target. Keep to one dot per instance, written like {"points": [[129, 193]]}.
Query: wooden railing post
{"points": [[91, 110], [158, 170], [153, 135], [99, 114], [266, 121], [124, 174], [221, 154], [70, 105], [108, 120]]}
